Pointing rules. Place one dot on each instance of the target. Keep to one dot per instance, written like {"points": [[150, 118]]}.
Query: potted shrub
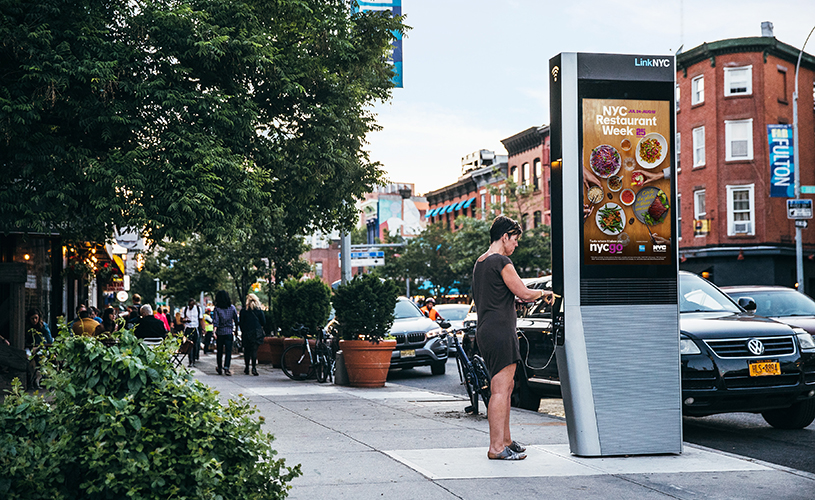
{"points": [[305, 304], [364, 314]]}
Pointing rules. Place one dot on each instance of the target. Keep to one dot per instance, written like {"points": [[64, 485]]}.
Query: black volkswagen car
{"points": [[732, 360]]}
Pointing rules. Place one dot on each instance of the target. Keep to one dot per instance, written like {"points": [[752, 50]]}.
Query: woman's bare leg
{"points": [[501, 386]]}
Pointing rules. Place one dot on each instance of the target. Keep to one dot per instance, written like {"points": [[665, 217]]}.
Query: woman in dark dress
{"points": [[495, 286], [252, 322]]}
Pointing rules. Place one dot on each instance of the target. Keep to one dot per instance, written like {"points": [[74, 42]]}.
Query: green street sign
{"points": [[807, 189]]}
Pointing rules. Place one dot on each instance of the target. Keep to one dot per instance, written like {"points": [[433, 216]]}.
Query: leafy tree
{"points": [[181, 118], [471, 239], [189, 268]]}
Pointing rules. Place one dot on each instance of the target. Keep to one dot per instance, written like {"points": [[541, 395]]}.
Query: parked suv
{"points": [[419, 340], [732, 360]]}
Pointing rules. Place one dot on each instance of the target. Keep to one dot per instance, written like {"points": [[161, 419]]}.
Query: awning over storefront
{"points": [[468, 203]]}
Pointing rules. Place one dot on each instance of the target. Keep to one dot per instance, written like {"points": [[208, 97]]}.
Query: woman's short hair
{"points": [[504, 225], [222, 300], [252, 301]]}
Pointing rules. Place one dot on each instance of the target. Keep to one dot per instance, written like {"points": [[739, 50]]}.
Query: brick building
{"points": [[529, 165], [728, 92], [526, 164]]}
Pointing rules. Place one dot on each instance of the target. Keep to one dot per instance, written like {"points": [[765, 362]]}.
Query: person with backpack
{"points": [[252, 322], [225, 322]]}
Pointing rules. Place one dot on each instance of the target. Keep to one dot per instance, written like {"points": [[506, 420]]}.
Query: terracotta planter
{"points": [[290, 342], [270, 350], [367, 363]]}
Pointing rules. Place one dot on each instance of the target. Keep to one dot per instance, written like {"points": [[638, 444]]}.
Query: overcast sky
{"points": [[475, 71]]}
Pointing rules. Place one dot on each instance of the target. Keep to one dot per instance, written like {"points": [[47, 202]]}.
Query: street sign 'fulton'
{"points": [[364, 259]]}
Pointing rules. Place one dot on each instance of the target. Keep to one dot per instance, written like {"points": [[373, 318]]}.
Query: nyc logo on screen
{"points": [[660, 248]]}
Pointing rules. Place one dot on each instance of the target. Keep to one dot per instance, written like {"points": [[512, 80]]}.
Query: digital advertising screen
{"points": [[627, 151]]}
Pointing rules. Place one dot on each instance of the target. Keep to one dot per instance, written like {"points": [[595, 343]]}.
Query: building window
{"points": [[536, 173], [678, 151], [525, 222], [678, 216], [741, 210], [782, 84], [513, 174], [698, 146], [699, 211], [525, 174], [739, 139], [677, 97], [483, 203], [318, 269], [537, 218], [697, 95], [738, 81]]}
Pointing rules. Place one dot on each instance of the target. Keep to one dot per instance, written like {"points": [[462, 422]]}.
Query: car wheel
{"points": [[438, 368], [796, 416]]}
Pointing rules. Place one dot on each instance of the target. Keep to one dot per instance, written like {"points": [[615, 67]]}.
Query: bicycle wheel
{"points": [[296, 363], [323, 364], [483, 379]]}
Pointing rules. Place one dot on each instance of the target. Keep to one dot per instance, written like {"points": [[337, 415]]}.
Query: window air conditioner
{"points": [[742, 227]]}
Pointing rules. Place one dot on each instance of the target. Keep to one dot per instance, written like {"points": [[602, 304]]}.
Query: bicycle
{"points": [[300, 362], [473, 374]]}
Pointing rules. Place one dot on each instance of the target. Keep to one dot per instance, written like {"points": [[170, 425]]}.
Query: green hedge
{"points": [[306, 303], [121, 422]]}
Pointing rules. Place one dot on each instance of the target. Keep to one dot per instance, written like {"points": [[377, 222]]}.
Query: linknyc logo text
{"points": [[658, 63], [606, 247]]}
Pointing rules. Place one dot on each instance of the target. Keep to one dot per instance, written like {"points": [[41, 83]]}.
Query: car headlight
{"points": [[688, 346], [804, 339], [433, 333]]}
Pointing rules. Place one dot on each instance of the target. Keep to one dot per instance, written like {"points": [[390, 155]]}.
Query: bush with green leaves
{"points": [[364, 308], [306, 303], [121, 422]]}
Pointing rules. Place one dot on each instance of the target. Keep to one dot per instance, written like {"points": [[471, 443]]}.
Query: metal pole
{"points": [[345, 257], [799, 247]]}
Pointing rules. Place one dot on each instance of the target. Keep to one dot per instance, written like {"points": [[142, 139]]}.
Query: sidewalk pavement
{"points": [[399, 442]]}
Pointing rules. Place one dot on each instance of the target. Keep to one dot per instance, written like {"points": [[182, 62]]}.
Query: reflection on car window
{"points": [[697, 294], [406, 309], [453, 312], [781, 303]]}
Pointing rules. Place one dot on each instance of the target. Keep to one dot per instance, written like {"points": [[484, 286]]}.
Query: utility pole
{"points": [[799, 246]]}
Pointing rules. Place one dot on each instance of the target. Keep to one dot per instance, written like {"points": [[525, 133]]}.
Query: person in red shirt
{"points": [[429, 310]]}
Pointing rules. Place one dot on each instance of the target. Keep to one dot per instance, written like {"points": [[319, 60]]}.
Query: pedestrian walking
{"points": [[252, 322], [495, 285], [192, 316], [225, 323]]}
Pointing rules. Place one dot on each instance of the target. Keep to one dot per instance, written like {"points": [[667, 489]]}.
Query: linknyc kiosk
{"points": [[615, 266]]}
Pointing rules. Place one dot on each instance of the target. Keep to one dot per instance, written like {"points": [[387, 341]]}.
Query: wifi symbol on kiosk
{"points": [[555, 71]]}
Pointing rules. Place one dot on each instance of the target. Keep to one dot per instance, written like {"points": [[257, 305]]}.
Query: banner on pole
{"points": [[782, 161]]}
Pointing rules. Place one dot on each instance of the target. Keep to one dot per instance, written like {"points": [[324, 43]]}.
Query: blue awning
{"points": [[468, 202], [450, 208], [444, 210], [431, 213], [457, 205]]}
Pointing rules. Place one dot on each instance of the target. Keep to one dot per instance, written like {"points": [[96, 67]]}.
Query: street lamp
{"points": [[799, 247]]}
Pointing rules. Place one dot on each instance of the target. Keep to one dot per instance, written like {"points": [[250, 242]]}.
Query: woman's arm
{"points": [[516, 286]]}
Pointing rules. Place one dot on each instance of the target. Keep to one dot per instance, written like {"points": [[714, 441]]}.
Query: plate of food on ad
{"points": [[651, 150], [651, 206], [604, 161], [615, 183], [611, 219]]}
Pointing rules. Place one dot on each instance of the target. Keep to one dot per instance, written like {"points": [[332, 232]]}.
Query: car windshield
{"points": [[453, 312], [780, 303], [696, 294], [406, 309]]}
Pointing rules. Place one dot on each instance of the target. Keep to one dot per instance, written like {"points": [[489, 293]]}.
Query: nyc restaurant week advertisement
{"points": [[626, 182]]}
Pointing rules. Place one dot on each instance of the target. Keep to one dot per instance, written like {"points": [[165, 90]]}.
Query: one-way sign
{"points": [[363, 259], [799, 209]]}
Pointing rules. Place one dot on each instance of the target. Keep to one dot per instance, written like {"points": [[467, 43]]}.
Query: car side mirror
{"points": [[748, 304], [444, 324]]}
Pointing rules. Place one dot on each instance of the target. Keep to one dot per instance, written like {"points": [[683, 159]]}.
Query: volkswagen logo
{"points": [[755, 346]]}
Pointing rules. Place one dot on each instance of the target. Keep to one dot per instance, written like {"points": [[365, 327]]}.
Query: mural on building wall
{"points": [[390, 214], [412, 219]]}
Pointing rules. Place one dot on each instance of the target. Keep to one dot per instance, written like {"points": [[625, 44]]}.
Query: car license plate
{"points": [[763, 368], [410, 353]]}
